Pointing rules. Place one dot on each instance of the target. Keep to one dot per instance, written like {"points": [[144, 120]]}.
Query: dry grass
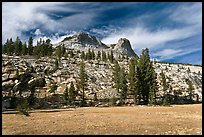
{"points": [[178, 119]]}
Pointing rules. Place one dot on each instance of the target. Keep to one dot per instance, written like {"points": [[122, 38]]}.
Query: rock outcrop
{"points": [[123, 47]]}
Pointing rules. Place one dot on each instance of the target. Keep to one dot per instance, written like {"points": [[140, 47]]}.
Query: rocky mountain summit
{"points": [[82, 41], [123, 47], [22, 71]]}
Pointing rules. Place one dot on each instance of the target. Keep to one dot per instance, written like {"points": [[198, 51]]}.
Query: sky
{"points": [[171, 30]]}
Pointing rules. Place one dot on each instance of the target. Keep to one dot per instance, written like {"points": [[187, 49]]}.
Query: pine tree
{"points": [[163, 82], [153, 86], [88, 55], [59, 52], [24, 49], [82, 82], [66, 94], [190, 89], [63, 49], [165, 88], [116, 76], [16, 46], [132, 80], [56, 64], [93, 54], [71, 93], [123, 85], [104, 58], [10, 47], [20, 47], [111, 57], [5, 47], [82, 55], [99, 55], [30, 46], [145, 77]]}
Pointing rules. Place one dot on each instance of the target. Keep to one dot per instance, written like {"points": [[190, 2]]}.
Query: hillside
{"points": [[100, 84]]}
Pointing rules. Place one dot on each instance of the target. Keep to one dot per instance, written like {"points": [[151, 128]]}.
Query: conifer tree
{"points": [[30, 46], [104, 58], [123, 85], [89, 55], [63, 49], [93, 54], [146, 74], [165, 88], [24, 49], [5, 47], [111, 57], [66, 94], [71, 92], [10, 47], [153, 86], [99, 55], [190, 89], [132, 81], [82, 82], [116, 76], [17, 46], [82, 55], [59, 52]]}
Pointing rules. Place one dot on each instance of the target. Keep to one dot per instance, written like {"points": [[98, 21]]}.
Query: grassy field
{"points": [[177, 119]]}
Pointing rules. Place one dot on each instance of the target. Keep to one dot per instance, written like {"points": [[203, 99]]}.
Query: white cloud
{"points": [[172, 53], [142, 37], [54, 38], [24, 16]]}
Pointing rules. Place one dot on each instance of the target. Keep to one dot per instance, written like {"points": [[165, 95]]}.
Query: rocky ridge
{"points": [[42, 71]]}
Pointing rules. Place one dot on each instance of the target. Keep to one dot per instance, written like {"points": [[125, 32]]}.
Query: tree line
{"points": [[43, 47]]}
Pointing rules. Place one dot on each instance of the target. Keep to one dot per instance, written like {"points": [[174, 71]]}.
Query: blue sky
{"points": [[171, 30]]}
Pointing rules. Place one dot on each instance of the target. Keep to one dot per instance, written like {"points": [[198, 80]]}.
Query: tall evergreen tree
{"points": [[165, 88], [16, 46], [82, 82], [66, 94], [145, 78], [24, 49], [71, 93], [93, 54], [153, 86], [10, 47], [190, 89], [104, 58], [30, 46], [123, 85], [82, 55], [5, 47], [132, 80], [88, 55], [59, 52], [63, 49], [116, 76], [99, 55], [111, 56]]}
